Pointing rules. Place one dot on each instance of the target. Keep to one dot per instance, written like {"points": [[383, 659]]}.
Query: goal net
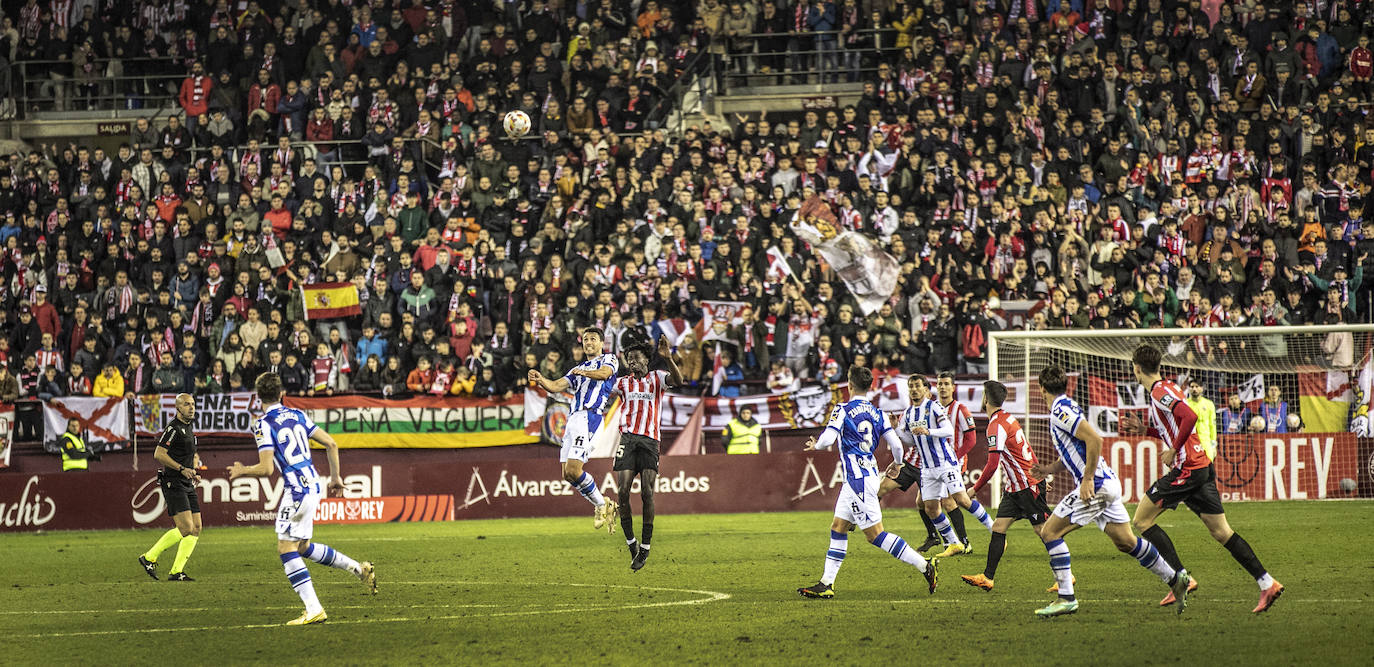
{"points": [[1292, 403]]}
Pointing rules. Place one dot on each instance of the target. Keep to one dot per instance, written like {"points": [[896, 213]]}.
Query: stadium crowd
{"points": [[1120, 164]]}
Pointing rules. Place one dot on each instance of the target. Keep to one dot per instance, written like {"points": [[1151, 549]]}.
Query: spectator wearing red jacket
{"points": [[263, 98], [45, 313], [1362, 66], [195, 95]]}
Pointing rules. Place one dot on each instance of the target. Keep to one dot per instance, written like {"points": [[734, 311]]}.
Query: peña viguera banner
{"points": [[428, 422]]}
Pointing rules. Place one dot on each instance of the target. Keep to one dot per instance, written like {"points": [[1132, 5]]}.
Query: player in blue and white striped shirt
{"points": [[941, 477], [857, 426], [1096, 498], [283, 437], [591, 383]]}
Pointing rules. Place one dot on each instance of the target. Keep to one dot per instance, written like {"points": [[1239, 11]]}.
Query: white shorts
{"points": [[1104, 508], [942, 482], [577, 436], [296, 518], [861, 510]]}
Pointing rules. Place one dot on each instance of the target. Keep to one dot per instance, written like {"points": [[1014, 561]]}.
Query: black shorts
{"points": [[180, 494], [1195, 488], [909, 475], [1028, 504], [636, 453]]}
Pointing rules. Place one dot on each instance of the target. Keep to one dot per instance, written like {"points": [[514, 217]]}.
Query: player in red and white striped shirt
{"points": [[1191, 479], [1025, 493], [640, 392]]}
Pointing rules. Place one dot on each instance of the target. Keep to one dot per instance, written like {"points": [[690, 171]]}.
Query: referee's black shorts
{"points": [[1195, 488], [637, 453], [1028, 504], [180, 494]]}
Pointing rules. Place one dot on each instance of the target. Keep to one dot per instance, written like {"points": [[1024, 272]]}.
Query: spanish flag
{"points": [[1324, 400], [329, 300]]}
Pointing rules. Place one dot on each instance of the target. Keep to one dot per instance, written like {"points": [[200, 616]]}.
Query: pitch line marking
{"points": [[713, 596]]}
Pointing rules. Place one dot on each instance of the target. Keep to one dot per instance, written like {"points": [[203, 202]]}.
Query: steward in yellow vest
{"points": [[742, 434]]}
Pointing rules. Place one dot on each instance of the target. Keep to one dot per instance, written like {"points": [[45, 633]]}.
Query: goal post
{"points": [[1320, 376]]}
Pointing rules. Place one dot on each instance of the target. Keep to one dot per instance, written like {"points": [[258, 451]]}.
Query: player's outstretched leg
{"points": [[299, 577], [647, 479], [1270, 589], [1144, 523], [834, 558], [980, 513], [897, 546], [1148, 556], [623, 480], [326, 555], [997, 544]]}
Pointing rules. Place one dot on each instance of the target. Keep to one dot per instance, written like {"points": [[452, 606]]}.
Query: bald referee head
{"points": [[186, 408]]}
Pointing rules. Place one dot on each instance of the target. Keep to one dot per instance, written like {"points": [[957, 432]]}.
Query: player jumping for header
{"points": [[1025, 494], [1095, 498], [1191, 478], [642, 391], [857, 426], [591, 383]]}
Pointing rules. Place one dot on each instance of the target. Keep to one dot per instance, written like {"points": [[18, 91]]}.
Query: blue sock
{"points": [[834, 556], [587, 486], [1059, 562], [1148, 557], [980, 514], [946, 531]]}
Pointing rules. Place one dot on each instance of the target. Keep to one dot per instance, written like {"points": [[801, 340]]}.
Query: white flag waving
{"points": [[1252, 389], [868, 271]]}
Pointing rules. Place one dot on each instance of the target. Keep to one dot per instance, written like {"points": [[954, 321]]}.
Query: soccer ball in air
{"points": [[1257, 424], [516, 123]]}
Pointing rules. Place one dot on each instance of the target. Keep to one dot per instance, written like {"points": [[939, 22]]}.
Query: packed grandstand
{"points": [[1082, 165]]}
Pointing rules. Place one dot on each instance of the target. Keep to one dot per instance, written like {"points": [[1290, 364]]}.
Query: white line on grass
{"points": [[714, 596]]}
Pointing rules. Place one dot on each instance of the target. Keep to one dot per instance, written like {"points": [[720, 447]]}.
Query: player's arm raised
{"points": [[604, 372], [674, 373], [554, 386], [1092, 451], [331, 452]]}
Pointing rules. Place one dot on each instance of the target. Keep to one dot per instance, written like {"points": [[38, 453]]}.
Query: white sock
{"points": [[896, 546], [326, 555], [834, 556], [299, 576], [976, 509], [1148, 557], [942, 524], [587, 486], [1265, 581], [1059, 562], [644, 546]]}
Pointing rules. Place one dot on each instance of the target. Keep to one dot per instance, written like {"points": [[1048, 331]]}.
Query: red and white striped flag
{"points": [[674, 330], [778, 268], [717, 373]]}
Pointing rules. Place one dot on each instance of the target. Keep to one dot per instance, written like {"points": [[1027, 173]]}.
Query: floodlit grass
{"points": [[719, 589]]}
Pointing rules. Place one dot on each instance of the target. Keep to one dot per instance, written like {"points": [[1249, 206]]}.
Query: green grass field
{"points": [[719, 589]]}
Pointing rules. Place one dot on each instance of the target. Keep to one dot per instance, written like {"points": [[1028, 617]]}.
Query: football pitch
{"points": [[718, 589]]}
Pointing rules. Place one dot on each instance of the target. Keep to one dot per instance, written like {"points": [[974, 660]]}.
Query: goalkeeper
{"points": [[1206, 412]]}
